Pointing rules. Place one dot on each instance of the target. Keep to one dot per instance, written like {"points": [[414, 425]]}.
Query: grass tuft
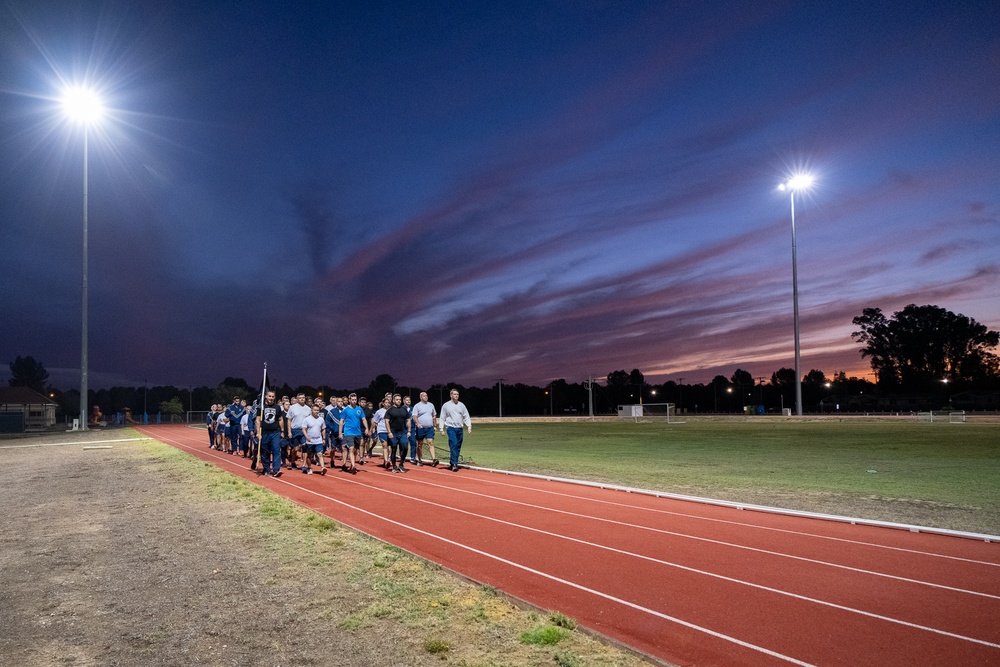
{"points": [[545, 635], [567, 660], [435, 646], [562, 620]]}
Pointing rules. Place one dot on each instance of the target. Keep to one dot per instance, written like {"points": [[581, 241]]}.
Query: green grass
{"points": [[944, 463]]}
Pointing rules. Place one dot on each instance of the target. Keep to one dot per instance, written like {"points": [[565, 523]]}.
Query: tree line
{"points": [[921, 356]]}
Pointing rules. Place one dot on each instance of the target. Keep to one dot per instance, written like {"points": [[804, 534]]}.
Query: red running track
{"points": [[684, 582]]}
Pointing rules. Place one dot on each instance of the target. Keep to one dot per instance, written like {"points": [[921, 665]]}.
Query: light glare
{"points": [[82, 105], [798, 182]]}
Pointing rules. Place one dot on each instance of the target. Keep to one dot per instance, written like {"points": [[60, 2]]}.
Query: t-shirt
{"points": [[379, 420], [270, 418], [297, 414], [351, 420], [423, 414], [314, 430], [396, 417]]}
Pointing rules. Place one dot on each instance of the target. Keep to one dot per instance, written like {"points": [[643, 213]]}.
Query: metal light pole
{"points": [[83, 106], [797, 182]]}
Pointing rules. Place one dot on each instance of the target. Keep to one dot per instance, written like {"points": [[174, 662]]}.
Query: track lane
{"points": [[372, 486]]}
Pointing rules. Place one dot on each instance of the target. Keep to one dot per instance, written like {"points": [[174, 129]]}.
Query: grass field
{"points": [[931, 470]]}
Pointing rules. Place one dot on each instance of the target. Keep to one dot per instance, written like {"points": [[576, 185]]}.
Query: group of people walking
{"points": [[302, 434]]}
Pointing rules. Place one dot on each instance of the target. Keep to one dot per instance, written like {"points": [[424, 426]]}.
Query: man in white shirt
{"points": [[314, 427], [454, 415], [297, 413]]}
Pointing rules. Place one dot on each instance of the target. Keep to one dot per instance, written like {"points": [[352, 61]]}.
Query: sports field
{"points": [[935, 474]]}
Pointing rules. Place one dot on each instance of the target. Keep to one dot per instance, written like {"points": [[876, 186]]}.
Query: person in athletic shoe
{"points": [[454, 416], [378, 419], [314, 427], [271, 426], [353, 426], [297, 414], [425, 417], [397, 420]]}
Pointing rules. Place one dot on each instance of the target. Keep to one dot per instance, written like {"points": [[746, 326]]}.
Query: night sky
{"points": [[460, 192]]}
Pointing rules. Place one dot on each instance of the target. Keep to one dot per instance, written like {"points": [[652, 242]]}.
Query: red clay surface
{"points": [[689, 583]]}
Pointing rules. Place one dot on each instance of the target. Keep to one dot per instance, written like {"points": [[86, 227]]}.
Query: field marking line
{"points": [[667, 496], [613, 550], [767, 509], [709, 540], [63, 444]]}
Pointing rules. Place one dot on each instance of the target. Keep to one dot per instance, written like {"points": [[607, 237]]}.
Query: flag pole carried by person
{"points": [[255, 441]]}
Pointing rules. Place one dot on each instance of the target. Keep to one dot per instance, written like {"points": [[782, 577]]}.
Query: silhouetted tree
{"points": [[783, 377], [26, 372], [920, 345]]}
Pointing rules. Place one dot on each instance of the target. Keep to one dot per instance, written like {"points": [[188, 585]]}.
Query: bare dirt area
{"points": [[142, 555]]}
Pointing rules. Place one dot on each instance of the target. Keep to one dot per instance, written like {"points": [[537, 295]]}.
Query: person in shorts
{"points": [[297, 414], [425, 417], [353, 426], [332, 417], [378, 420], [314, 428]]}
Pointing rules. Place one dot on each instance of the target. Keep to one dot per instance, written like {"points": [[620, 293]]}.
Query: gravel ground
{"points": [[104, 562]]}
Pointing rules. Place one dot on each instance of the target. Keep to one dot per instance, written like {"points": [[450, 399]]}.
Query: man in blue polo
{"points": [[353, 426], [332, 418], [235, 413]]}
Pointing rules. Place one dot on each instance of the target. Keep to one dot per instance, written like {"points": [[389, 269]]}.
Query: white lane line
{"points": [[63, 444], [708, 540], [797, 596], [739, 523]]}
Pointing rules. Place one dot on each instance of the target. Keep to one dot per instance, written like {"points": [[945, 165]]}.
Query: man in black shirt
{"points": [[270, 425], [397, 423]]}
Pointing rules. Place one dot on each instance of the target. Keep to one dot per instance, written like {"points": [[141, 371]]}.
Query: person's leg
{"points": [[430, 446], [455, 436]]}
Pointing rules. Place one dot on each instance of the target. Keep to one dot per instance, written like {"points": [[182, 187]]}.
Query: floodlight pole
{"points": [[84, 401], [795, 313]]}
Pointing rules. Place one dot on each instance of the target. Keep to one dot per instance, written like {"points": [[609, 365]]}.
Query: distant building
{"points": [[38, 410]]}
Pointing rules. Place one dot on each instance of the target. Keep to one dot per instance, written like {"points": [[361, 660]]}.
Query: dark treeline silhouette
{"points": [[739, 393], [924, 358]]}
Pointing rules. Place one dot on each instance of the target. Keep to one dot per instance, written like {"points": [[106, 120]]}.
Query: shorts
{"points": [[383, 437], [352, 441], [298, 437], [425, 433], [313, 448]]}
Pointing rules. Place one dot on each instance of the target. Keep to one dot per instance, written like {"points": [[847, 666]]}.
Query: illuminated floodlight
{"points": [[797, 182], [82, 105]]}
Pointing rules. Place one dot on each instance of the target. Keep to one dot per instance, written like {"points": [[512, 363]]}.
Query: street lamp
{"points": [[797, 182], [83, 106]]}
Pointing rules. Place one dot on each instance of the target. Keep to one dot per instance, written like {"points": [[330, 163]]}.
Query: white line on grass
{"points": [[63, 444]]}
